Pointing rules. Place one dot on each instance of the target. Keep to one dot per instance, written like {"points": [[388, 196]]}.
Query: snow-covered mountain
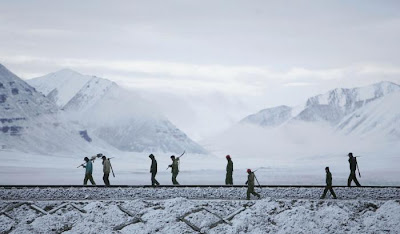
{"points": [[29, 121], [380, 118], [115, 115], [331, 107], [336, 104]]}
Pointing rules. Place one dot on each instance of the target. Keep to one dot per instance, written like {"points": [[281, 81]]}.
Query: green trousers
{"points": [[88, 177], [250, 190], [174, 181], [328, 187], [228, 178]]}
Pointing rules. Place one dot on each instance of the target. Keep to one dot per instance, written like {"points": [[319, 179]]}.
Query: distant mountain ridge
{"points": [[337, 107], [329, 107]]}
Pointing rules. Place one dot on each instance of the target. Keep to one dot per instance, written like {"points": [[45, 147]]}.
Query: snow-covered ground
{"points": [[180, 215]]}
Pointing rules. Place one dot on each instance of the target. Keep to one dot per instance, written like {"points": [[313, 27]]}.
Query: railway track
{"points": [[237, 192], [186, 186]]}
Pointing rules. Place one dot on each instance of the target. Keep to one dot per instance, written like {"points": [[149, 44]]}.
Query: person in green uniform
{"points": [[229, 171], [250, 184], [88, 172], [153, 170], [353, 167], [328, 184], [174, 169], [106, 170]]}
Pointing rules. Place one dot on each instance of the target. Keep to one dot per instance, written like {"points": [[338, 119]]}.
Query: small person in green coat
{"points": [[174, 169], [250, 185], [328, 184], [229, 171]]}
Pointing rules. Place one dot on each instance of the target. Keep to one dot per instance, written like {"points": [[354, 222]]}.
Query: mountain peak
{"points": [[67, 71], [270, 117]]}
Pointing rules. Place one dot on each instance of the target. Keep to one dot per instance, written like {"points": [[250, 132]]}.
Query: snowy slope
{"points": [[60, 86], [19, 102], [117, 116], [93, 91], [378, 118]]}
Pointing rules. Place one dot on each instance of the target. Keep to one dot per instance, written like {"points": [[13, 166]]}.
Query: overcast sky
{"points": [[209, 61]]}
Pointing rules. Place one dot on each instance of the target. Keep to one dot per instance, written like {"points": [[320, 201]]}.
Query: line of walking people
{"points": [[228, 179]]}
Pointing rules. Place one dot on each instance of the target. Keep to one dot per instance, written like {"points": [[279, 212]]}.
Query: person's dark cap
{"points": [[228, 156], [151, 156], [327, 168], [86, 159], [104, 157], [172, 156], [248, 170], [350, 154]]}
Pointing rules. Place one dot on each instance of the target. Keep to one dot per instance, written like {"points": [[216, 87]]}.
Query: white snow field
{"points": [[181, 215], [133, 169]]}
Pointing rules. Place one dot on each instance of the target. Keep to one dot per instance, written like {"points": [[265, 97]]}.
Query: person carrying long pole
{"points": [[250, 185], [88, 171], [106, 170], [175, 168], [353, 166]]}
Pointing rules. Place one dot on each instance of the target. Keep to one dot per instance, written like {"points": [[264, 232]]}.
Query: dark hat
{"points": [[104, 157], [228, 156], [86, 159], [327, 168], [172, 156], [350, 154], [151, 156], [248, 170]]}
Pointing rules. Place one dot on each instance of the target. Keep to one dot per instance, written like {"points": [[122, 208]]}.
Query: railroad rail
{"points": [[185, 186]]}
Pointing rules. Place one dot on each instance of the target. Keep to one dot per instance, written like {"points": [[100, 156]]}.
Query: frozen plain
{"points": [[18, 168]]}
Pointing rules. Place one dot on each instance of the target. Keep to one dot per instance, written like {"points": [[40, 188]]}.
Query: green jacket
{"points": [[175, 166], [329, 178], [153, 167], [106, 166], [250, 180], [229, 167]]}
